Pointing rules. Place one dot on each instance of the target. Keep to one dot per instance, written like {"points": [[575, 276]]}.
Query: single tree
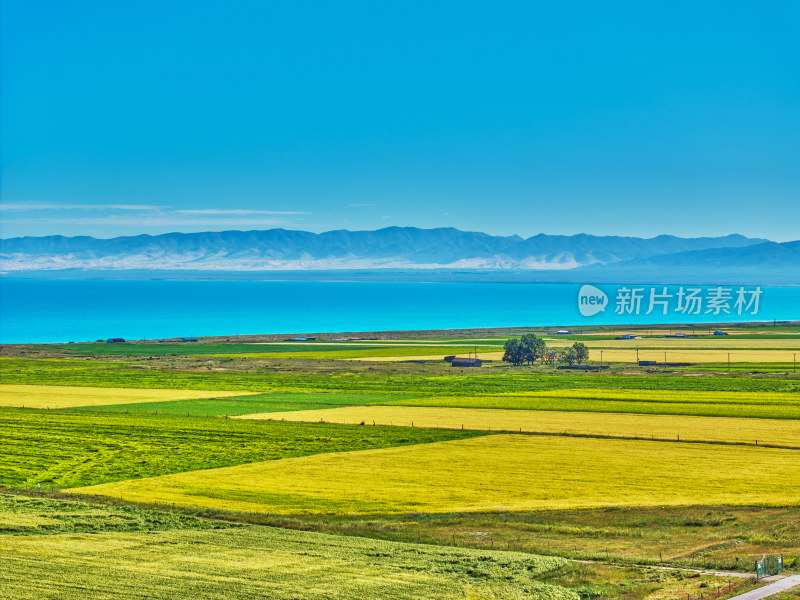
{"points": [[514, 352], [581, 351], [551, 356], [534, 347], [570, 356]]}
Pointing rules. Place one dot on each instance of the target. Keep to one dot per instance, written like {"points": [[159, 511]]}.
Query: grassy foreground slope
{"points": [[495, 472], [62, 449], [377, 569], [724, 538], [261, 562]]}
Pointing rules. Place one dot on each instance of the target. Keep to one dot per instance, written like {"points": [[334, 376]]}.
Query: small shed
{"points": [[718, 332], [466, 362], [564, 332], [115, 340]]}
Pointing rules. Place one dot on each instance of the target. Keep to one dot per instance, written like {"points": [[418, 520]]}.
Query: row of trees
{"points": [[530, 348]]}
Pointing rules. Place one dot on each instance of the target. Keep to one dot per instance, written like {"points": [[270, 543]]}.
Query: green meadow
{"points": [[66, 449], [406, 379], [243, 405]]}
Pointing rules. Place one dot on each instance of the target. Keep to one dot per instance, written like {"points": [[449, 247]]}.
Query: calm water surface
{"points": [[80, 310]]}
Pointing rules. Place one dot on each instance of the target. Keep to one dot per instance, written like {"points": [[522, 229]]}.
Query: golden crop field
{"points": [[497, 356], [781, 432], [699, 355], [622, 353], [496, 472], [776, 405], [682, 396], [720, 343], [58, 396]]}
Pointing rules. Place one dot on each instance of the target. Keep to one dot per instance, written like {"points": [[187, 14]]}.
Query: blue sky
{"points": [[632, 118]]}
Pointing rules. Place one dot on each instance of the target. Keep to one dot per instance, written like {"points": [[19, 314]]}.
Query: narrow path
{"points": [[705, 572], [666, 568], [768, 590]]}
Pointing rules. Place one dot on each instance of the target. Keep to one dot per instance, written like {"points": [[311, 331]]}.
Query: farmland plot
{"points": [[60, 396], [781, 432], [497, 472], [775, 405], [261, 562], [60, 449]]}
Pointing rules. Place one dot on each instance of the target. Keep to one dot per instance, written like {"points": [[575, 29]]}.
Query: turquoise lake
{"points": [[42, 311]]}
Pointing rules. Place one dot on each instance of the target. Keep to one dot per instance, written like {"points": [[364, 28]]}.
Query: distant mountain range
{"points": [[401, 248]]}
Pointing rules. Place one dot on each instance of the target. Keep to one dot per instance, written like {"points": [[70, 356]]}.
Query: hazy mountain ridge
{"points": [[389, 248], [757, 264]]}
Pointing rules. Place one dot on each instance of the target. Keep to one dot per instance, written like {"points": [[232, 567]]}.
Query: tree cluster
{"points": [[530, 348]]}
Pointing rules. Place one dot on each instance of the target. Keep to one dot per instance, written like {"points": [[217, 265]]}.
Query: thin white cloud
{"points": [[149, 221], [23, 206], [238, 211]]}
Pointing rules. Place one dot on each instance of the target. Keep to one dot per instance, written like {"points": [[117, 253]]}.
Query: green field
{"points": [[243, 405], [386, 352], [362, 378], [193, 348], [64, 449], [338, 350]]}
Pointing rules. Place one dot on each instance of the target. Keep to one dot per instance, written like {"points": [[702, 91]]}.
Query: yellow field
{"points": [[497, 356], [781, 432], [689, 344], [685, 396], [628, 355], [693, 356], [496, 472], [705, 350], [57, 396]]}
